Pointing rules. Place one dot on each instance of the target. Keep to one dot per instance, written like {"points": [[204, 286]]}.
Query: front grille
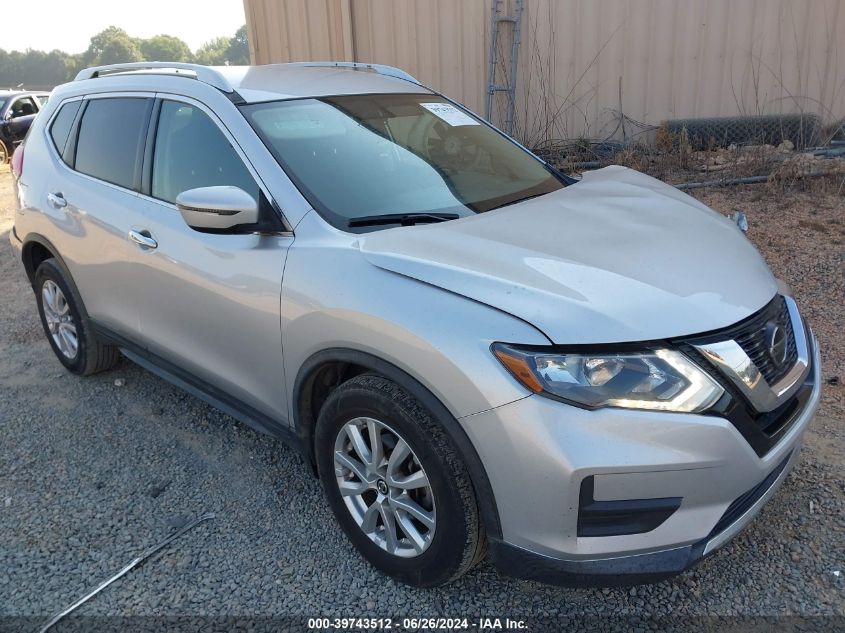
{"points": [[752, 339], [761, 429]]}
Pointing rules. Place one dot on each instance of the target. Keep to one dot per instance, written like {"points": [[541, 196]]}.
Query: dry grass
{"points": [[675, 162]]}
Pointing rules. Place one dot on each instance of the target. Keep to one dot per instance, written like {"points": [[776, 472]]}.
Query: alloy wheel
{"points": [[384, 487], [59, 319]]}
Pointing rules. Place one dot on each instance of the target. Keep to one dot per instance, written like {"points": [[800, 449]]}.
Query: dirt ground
{"points": [[94, 470], [801, 234]]}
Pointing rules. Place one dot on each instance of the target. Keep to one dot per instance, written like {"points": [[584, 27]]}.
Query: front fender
{"points": [[439, 338]]}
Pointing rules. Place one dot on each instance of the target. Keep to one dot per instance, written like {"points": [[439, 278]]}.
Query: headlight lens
{"points": [[659, 379]]}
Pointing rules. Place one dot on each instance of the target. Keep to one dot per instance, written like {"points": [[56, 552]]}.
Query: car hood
{"points": [[617, 257]]}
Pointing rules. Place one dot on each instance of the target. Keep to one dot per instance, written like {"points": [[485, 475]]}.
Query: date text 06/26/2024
{"points": [[417, 624]]}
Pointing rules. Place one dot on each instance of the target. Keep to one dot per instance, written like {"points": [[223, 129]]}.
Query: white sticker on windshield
{"points": [[450, 114]]}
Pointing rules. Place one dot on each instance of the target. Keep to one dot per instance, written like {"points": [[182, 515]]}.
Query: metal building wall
{"points": [[659, 59], [441, 42], [584, 61]]}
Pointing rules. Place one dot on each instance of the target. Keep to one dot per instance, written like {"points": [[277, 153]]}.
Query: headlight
{"points": [[659, 379]]}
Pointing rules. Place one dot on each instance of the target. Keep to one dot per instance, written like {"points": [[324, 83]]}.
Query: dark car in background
{"points": [[17, 110]]}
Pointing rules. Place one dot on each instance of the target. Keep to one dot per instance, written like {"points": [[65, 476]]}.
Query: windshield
{"points": [[356, 157]]}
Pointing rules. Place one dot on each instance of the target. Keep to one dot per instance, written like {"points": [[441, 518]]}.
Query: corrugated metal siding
{"points": [[659, 59], [441, 42], [584, 61], [298, 30]]}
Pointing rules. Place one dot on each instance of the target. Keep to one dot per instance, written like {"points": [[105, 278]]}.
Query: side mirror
{"points": [[219, 207]]}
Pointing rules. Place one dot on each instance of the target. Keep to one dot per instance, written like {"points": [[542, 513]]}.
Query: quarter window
{"points": [[60, 129], [111, 139], [191, 152]]}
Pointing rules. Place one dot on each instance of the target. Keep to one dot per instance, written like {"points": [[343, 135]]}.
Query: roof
{"points": [[290, 81], [276, 81]]}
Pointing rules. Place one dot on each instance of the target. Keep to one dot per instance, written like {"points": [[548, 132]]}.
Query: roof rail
{"points": [[205, 74], [381, 69]]}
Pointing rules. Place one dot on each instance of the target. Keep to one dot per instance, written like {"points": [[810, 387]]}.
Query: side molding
{"points": [[199, 388]]}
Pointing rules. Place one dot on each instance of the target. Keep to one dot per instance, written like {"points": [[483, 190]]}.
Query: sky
{"points": [[69, 24]]}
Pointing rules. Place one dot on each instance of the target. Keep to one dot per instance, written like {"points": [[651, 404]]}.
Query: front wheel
{"points": [[396, 483]]}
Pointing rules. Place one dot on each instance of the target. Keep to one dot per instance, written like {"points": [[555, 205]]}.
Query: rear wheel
{"points": [[396, 483], [67, 328]]}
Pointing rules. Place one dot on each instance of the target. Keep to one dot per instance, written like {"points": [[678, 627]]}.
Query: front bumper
{"points": [[542, 459]]}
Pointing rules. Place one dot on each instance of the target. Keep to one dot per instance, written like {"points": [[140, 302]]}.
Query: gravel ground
{"points": [[94, 470]]}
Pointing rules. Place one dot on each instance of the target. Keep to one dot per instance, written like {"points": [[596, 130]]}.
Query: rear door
{"points": [[210, 302], [92, 199]]}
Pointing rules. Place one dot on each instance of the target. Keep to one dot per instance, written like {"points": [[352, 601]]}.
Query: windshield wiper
{"points": [[405, 219], [518, 200]]}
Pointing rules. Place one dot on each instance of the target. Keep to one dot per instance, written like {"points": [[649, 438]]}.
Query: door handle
{"points": [[56, 200], [143, 238]]}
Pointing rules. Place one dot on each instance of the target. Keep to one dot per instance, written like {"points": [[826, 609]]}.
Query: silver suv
{"points": [[598, 380]]}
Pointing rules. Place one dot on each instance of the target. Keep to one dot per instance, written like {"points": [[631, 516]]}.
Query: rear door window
{"points": [[191, 151], [111, 139], [60, 129]]}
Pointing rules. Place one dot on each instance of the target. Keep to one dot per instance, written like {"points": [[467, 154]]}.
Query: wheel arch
{"points": [[326, 370], [37, 248]]}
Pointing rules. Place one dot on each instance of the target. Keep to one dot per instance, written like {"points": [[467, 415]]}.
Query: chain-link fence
{"points": [[802, 130]]}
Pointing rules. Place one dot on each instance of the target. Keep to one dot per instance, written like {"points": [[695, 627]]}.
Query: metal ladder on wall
{"points": [[497, 18]]}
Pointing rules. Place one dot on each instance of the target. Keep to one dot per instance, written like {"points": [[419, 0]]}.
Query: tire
{"points": [[456, 541], [89, 355], [4, 153]]}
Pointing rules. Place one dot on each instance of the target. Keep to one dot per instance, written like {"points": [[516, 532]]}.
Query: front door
{"points": [[210, 302]]}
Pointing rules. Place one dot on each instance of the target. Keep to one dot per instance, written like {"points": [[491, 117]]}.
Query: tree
{"points": [[225, 50], [99, 42], [165, 48], [238, 52], [11, 69], [213, 52], [111, 46], [35, 68], [119, 50]]}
